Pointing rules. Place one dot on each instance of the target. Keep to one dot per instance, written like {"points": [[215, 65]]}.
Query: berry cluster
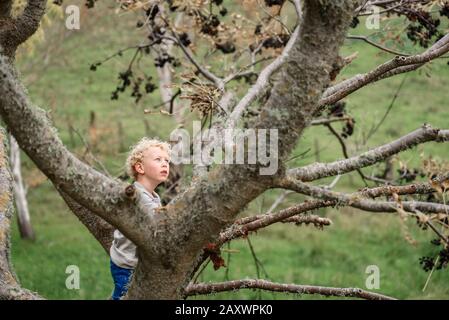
{"points": [[171, 6], [184, 39], [409, 175], [226, 47], [423, 27], [164, 58], [152, 11], [250, 78], [93, 67], [355, 22], [149, 87], [136, 90], [444, 11], [337, 109], [90, 3], [348, 129], [277, 41], [223, 11], [428, 263], [127, 79], [209, 24]]}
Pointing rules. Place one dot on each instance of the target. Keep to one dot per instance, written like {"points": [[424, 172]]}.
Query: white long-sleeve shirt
{"points": [[123, 251]]}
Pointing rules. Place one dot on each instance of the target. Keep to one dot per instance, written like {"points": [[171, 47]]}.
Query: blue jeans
{"points": [[121, 278]]}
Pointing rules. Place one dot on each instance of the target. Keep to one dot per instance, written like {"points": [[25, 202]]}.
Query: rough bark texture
{"points": [[14, 31], [98, 227]]}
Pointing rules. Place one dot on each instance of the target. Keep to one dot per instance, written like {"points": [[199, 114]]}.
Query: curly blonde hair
{"points": [[137, 150]]}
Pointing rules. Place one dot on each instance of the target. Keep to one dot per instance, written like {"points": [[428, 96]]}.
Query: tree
{"points": [[290, 92], [23, 214]]}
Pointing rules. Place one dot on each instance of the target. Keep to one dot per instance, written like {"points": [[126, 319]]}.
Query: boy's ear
{"points": [[139, 168]]}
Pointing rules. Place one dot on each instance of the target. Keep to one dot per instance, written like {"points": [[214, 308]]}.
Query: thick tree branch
{"points": [[111, 199], [243, 226], [397, 65], [320, 170], [98, 227], [310, 218], [415, 188], [208, 288], [356, 200], [317, 221]]}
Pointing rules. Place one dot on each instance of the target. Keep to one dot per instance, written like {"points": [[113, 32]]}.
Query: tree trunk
{"points": [[9, 286], [23, 214]]}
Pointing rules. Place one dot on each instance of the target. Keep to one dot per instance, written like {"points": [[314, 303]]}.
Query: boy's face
{"points": [[154, 166]]}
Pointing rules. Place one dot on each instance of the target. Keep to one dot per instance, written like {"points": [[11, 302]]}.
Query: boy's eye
{"points": [[160, 159]]}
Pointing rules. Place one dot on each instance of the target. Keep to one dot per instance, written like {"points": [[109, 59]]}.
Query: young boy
{"points": [[148, 163]]}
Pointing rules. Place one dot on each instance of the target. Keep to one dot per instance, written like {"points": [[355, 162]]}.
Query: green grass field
{"points": [[337, 256]]}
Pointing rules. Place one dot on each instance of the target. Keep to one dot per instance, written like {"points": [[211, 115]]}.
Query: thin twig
{"points": [[377, 45], [373, 131], [88, 150], [344, 149]]}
